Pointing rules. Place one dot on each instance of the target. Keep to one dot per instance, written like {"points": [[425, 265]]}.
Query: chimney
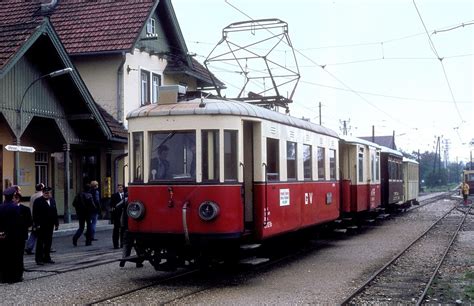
{"points": [[169, 94], [48, 7]]}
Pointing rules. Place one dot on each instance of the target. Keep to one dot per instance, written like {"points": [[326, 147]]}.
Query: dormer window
{"points": [[151, 26]]}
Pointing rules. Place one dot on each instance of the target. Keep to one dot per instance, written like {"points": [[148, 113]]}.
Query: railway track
{"points": [[209, 279], [406, 278], [431, 200], [186, 274]]}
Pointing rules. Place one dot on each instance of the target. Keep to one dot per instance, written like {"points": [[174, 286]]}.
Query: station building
{"points": [[70, 71]]}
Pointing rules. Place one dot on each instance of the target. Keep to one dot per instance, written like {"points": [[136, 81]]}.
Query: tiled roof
{"points": [[12, 37], [176, 65], [86, 26], [15, 12], [100, 26], [117, 129], [18, 20]]}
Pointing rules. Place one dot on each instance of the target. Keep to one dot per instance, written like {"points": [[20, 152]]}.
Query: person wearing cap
{"points": [[45, 218], [30, 244], [26, 222], [11, 239]]}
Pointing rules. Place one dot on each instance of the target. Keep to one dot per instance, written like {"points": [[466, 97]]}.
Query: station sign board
{"points": [[15, 148]]}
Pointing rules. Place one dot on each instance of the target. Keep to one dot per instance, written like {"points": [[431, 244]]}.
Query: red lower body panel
{"points": [[365, 197], [286, 207], [164, 209]]}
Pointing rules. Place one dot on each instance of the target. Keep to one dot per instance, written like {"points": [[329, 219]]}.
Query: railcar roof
{"points": [[408, 160], [225, 107], [391, 151], [352, 139]]}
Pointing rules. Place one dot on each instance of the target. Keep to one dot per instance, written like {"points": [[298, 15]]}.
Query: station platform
{"points": [[66, 229]]}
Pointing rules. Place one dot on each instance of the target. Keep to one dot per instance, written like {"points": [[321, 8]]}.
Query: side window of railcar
{"points": [[400, 171], [391, 170], [332, 164], [291, 161], [210, 155], [372, 166], [307, 162], [321, 163], [137, 139], [361, 165], [230, 155], [172, 155], [377, 165], [273, 157]]}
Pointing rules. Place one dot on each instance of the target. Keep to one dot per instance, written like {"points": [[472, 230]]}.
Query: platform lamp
{"points": [[19, 112]]}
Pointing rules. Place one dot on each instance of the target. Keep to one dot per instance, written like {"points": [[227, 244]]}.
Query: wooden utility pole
{"points": [[320, 119]]}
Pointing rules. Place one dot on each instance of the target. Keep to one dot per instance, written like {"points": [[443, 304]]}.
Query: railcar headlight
{"points": [[136, 210], [208, 210]]}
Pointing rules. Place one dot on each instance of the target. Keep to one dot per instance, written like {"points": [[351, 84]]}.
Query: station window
{"points": [[291, 161], [172, 156], [151, 26], [273, 158], [155, 84], [210, 155], [332, 164], [230, 155], [321, 163], [137, 140], [144, 87], [41, 167], [307, 162], [361, 165]]}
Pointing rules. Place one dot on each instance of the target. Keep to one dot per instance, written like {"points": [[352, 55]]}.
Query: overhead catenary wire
{"points": [[328, 72], [346, 88], [433, 48]]}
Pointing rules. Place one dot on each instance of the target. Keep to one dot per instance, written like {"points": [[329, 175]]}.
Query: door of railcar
{"points": [[469, 178], [248, 170]]}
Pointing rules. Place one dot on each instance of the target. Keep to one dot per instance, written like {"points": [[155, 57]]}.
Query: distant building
{"points": [[386, 141]]}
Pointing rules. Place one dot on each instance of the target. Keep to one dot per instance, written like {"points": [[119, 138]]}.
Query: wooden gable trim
{"points": [[45, 28]]}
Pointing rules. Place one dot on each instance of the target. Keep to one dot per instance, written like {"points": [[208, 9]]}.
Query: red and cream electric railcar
{"points": [[209, 174], [360, 175], [468, 177]]}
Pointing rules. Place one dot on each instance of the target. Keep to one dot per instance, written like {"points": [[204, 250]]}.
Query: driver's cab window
{"points": [[172, 156]]}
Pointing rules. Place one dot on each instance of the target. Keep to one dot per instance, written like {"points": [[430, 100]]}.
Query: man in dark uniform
{"points": [[45, 218], [116, 204], [26, 222], [11, 240]]}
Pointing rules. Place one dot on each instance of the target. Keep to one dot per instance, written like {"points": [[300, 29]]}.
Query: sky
{"points": [[399, 66]]}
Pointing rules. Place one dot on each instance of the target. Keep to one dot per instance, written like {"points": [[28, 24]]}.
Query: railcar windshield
{"points": [[470, 177], [172, 156]]}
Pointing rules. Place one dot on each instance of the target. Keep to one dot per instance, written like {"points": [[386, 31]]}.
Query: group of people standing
{"points": [[15, 221]]}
